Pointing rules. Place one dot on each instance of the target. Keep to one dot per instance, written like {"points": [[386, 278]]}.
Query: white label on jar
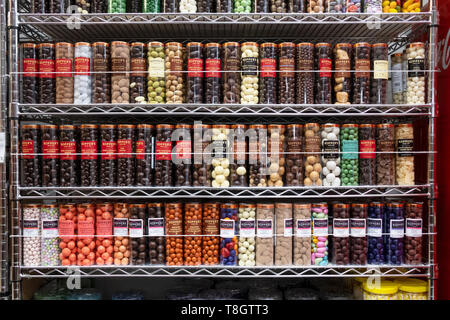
{"points": [[320, 227], [2, 147], [288, 227], [374, 227], [156, 227], [226, 228], [247, 228], [303, 228], [49, 228], [136, 228], [120, 226], [341, 228], [31, 228], [413, 228], [358, 228], [264, 228], [156, 67], [397, 228], [397, 78]]}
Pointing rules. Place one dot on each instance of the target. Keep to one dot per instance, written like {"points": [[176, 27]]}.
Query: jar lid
{"points": [[298, 126], [155, 44], [137, 205], [320, 204], [221, 126], [87, 205], [376, 204], [49, 206], [323, 44], [412, 285], [258, 126], [287, 44], [398, 54], [183, 126], [137, 44], [154, 204], [195, 44], [201, 126], [343, 45], [265, 206], [210, 204], [228, 44], [238, 126], [357, 205], [66, 127], [64, 44], [100, 43], [283, 205], [305, 44], [229, 206], [268, 44], [414, 204], [173, 44], [312, 124], [253, 44], [88, 126], [302, 206], [192, 204], [145, 126], [395, 204], [367, 125], [107, 126], [30, 126], [82, 44], [405, 125], [330, 125], [384, 287], [276, 126], [174, 204], [31, 206], [165, 126], [350, 125], [212, 45], [385, 125], [379, 45], [49, 126], [416, 45], [341, 205], [42, 45], [29, 45], [362, 44], [119, 43], [67, 205], [126, 126], [247, 205]]}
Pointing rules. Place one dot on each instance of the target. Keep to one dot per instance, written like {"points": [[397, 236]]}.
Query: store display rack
{"points": [[397, 29]]}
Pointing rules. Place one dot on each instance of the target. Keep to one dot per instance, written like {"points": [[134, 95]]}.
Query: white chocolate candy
{"points": [[331, 169]]}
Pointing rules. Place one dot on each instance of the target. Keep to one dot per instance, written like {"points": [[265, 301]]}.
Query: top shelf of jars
{"points": [[306, 26]]}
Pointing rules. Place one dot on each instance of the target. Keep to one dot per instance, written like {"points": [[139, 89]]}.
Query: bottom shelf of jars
{"points": [[224, 272]]}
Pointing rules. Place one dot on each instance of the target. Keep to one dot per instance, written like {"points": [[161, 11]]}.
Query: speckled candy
{"points": [[319, 257], [49, 246], [349, 163], [31, 245]]}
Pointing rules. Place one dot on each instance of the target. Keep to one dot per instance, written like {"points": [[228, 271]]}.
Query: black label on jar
{"points": [[416, 68], [136, 228], [374, 227], [358, 228], [49, 228], [397, 228], [341, 228], [405, 145], [156, 227], [303, 228], [413, 228], [330, 146], [249, 66]]}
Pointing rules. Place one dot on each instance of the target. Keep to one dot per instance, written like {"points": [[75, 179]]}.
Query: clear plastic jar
{"points": [[144, 154], [349, 147], [416, 73], [296, 6], [163, 155], [264, 234], [316, 6], [151, 6], [31, 221], [405, 75], [361, 85], [192, 227], [120, 82], [385, 161], [156, 240], [86, 231], [257, 146], [341, 235], [372, 6], [294, 157], [262, 6], [156, 85], [67, 230], [313, 167], [302, 237], [367, 156], [84, 6], [207, 6], [404, 144], [83, 66], [38, 6], [283, 234], [104, 230], [64, 69], [393, 228], [47, 84], [224, 6], [99, 6], [247, 234], [126, 147], [397, 4], [134, 6], [352, 6], [278, 6], [242, 6], [201, 175], [231, 76], [286, 76], [171, 6], [137, 227], [412, 289], [277, 160], [49, 231], [183, 158], [29, 76], [342, 76], [249, 74], [220, 164], [213, 73], [117, 6], [50, 155], [397, 78], [195, 72], [68, 147], [323, 63], [385, 290], [268, 82], [319, 216], [174, 73], [89, 150], [108, 157], [228, 234], [122, 246], [210, 244], [358, 235], [375, 217], [413, 233], [238, 165], [138, 85], [305, 78], [101, 80], [30, 161], [380, 74], [331, 161]]}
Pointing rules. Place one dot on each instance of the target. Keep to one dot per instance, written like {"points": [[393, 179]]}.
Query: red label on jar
{"points": [[287, 67], [68, 150], [46, 68], [64, 68], [88, 150], [325, 68], [82, 66], [184, 150], [50, 149], [268, 68], [367, 149], [28, 149], [109, 149], [85, 228], [362, 67], [140, 149], [124, 148], [104, 227], [66, 228], [195, 68], [29, 67], [212, 68], [163, 150], [138, 64]]}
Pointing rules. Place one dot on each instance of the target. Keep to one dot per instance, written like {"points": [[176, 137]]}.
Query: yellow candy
{"points": [[393, 5], [386, 3], [417, 10], [315, 240], [392, 10]]}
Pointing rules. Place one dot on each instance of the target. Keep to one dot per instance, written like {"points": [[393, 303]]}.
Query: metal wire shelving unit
{"points": [[397, 29]]}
